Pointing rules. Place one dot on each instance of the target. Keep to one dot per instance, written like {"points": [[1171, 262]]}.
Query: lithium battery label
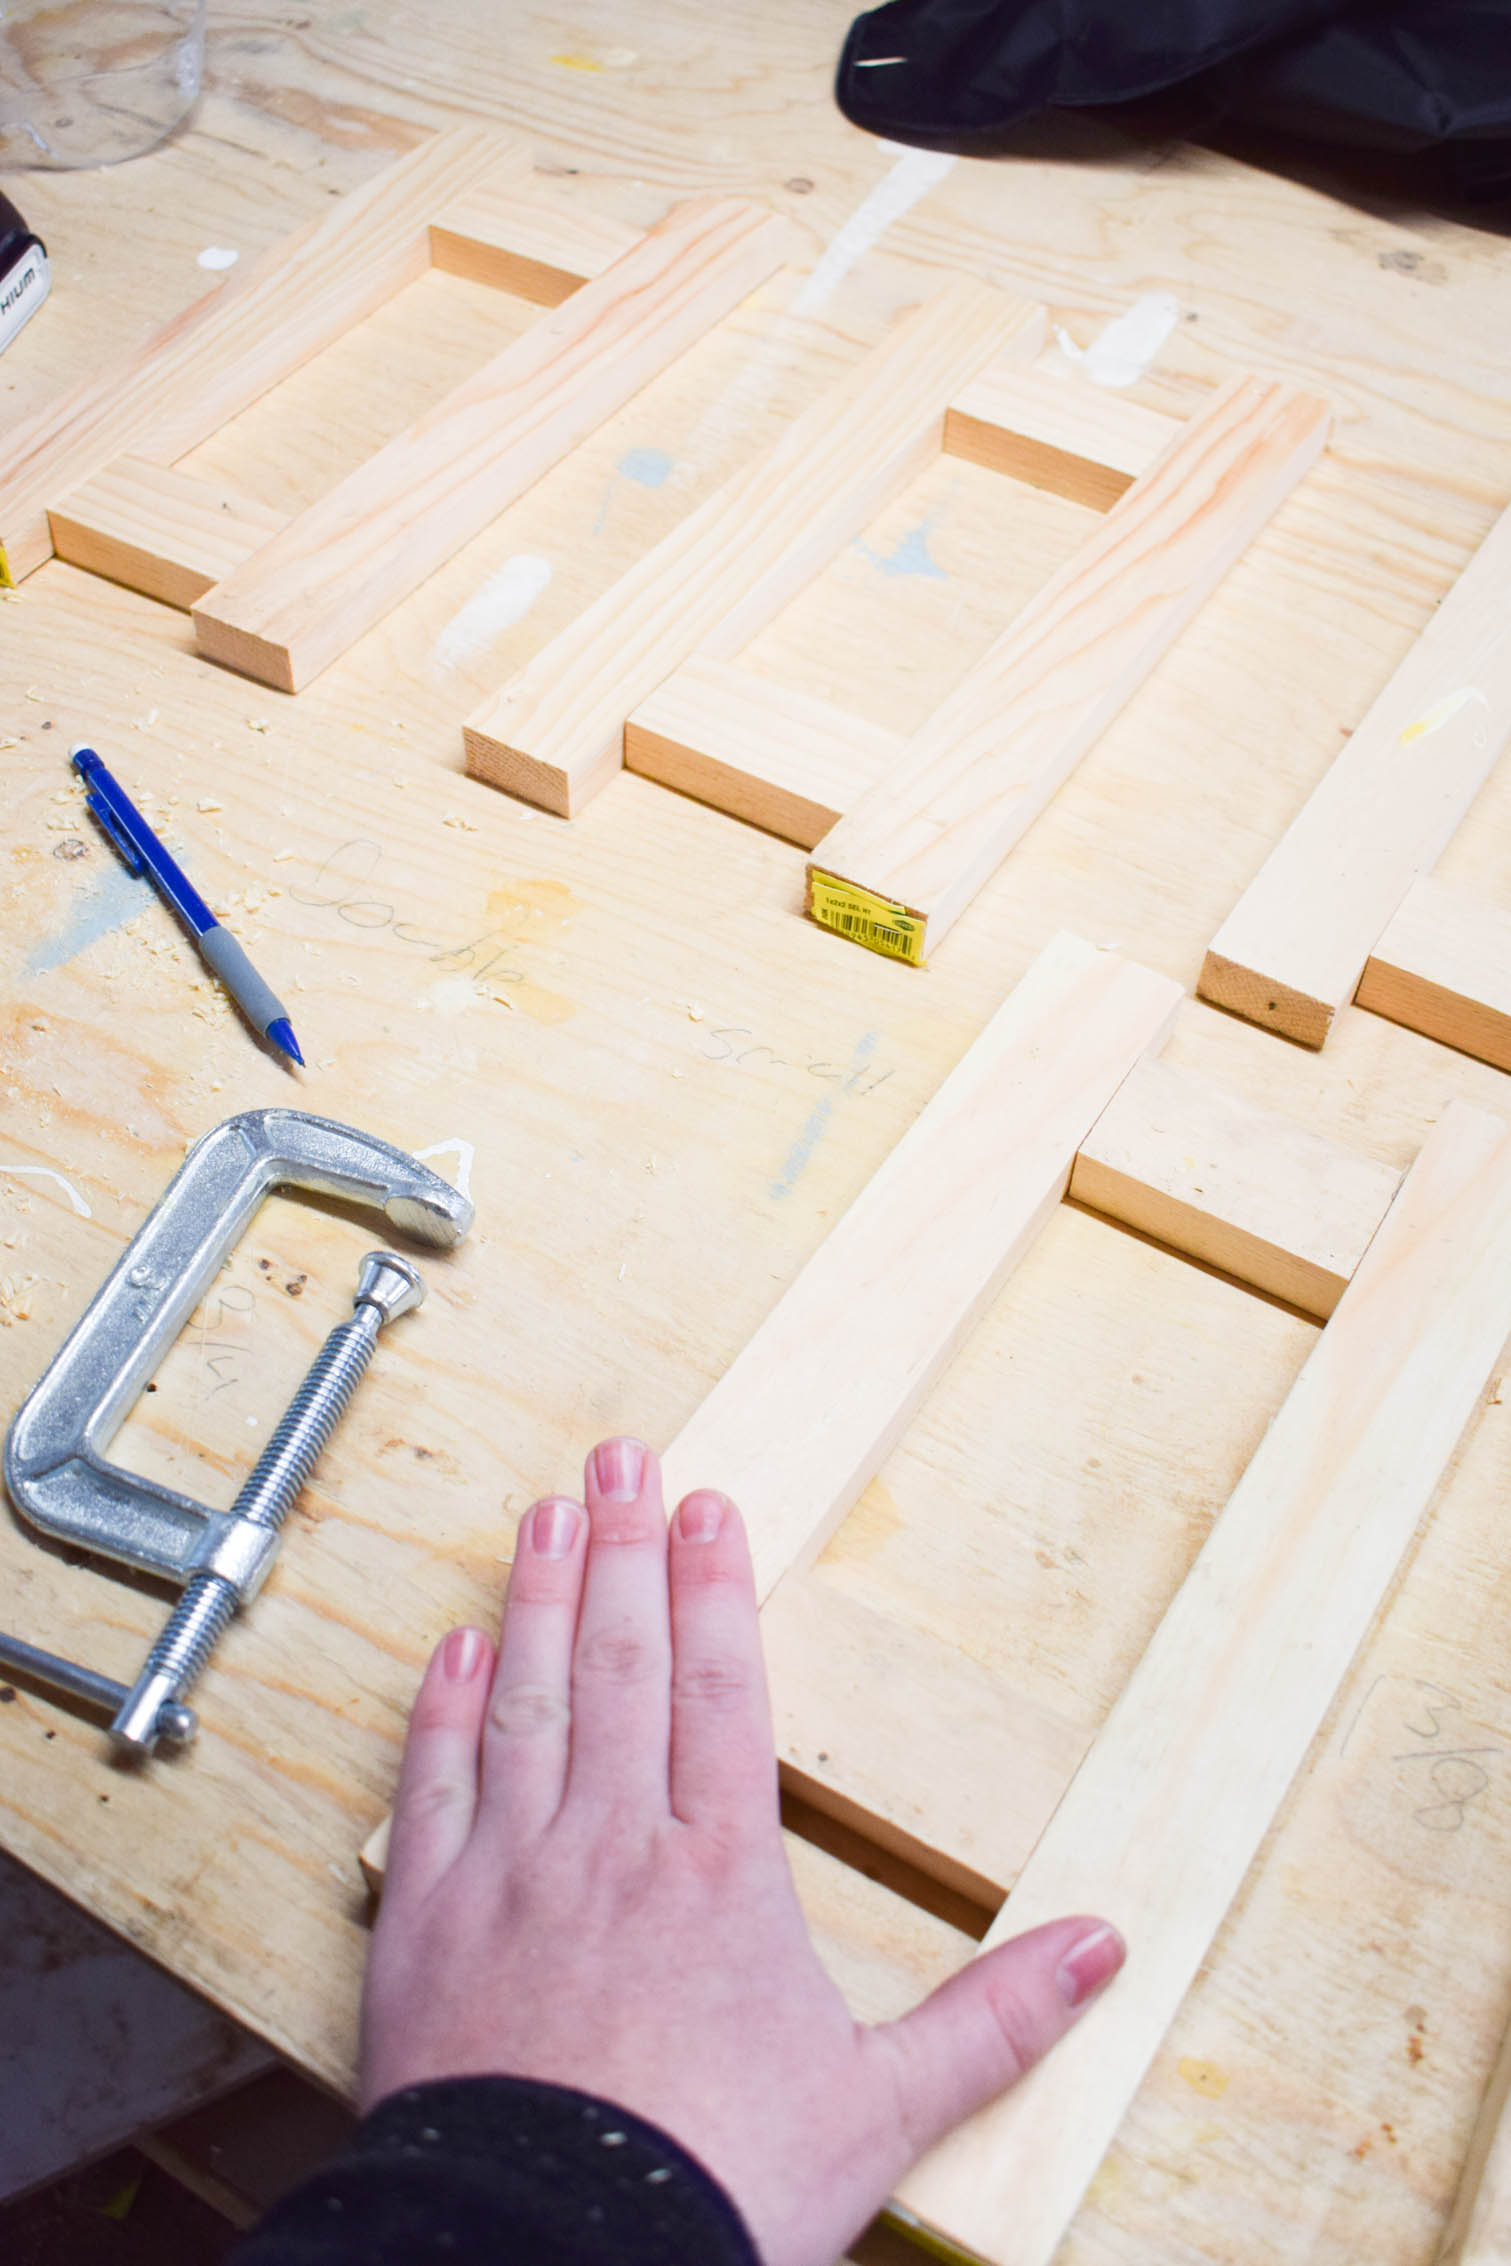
{"points": [[23, 287]]}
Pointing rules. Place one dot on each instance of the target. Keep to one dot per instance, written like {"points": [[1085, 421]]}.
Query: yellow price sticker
{"points": [[879, 923]]}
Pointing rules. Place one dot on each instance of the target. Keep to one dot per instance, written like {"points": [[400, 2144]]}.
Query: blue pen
{"points": [[217, 947]]}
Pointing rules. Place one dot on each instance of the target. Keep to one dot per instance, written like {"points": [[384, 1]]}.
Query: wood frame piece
{"points": [[1298, 943], [1166, 1814]]}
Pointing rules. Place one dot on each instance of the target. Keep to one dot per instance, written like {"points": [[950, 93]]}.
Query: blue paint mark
{"points": [[647, 467], [800, 1155], [115, 898], [912, 555]]}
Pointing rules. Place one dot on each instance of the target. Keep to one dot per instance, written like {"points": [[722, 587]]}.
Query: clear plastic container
{"points": [[89, 82]]}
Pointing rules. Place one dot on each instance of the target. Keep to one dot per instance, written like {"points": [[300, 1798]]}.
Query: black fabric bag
{"points": [[1425, 80]]}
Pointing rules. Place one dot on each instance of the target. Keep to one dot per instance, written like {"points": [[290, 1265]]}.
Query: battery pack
{"points": [[25, 277]]}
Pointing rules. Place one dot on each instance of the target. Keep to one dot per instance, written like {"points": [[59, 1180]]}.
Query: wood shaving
{"points": [[257, 723], [208, 802], [15, 1299], [455, 818]]}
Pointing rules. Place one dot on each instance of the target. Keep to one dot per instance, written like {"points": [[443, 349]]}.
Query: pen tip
{"points": [[281, 1032]]}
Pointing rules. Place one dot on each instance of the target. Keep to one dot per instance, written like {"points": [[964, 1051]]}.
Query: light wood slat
{"points": [[1478, 2232], [1063, 434], [895, 1732], [348, 560], [1239, 1188], [1292, 950], [1443, 967], [809, 1409], [514, 243], [555, 734], [166, 533], [240, 340], [975, 777], [764, 752], [1166, 1813]]}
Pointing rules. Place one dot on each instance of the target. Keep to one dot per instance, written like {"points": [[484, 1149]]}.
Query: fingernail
{"points": [[462, 1653], [701, 1516], [618, 1466], [1089, 1963], [553, 1527]]}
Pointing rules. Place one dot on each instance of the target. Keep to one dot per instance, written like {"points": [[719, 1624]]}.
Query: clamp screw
{"points": [[153, 1709]]}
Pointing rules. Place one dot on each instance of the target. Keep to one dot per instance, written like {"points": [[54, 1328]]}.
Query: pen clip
{"points": [[134, 861]]}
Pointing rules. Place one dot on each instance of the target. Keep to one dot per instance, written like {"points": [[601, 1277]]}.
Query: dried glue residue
{"points": [[1204, 2077], [465, 1155], [1440, 713], [1120, 354]]}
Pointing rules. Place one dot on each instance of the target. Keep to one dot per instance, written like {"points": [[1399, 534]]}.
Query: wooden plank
{"points": [[347, 561], [1056, 432], [555, 734], [1167, 1812], [237, 342], [1292, 950], [1478, 2232], [512, 242], [767, 753], [1443, 967], [165, 533], [1243, 1189], [808, 1410], [976, 776]]}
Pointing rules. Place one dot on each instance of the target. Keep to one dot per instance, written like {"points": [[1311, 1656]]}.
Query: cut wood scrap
{"points": [[902, 866], [763, 752], [1292, 950], [807, 1412], [1443, 967], [339, 567], [895, 1733], [555, 734], [166, 533], [1237, 1187], [493, 235], [1169, 1808], [1478, 2232], [241, 339], [1059, 433]]}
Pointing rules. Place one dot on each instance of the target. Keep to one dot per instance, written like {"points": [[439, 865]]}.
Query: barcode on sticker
{"points": [[879, 923]]}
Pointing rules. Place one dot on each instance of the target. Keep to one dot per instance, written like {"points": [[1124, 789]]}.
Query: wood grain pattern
{"points": [[1478, 2232], [808, 1410], [1165, 1815], [972, 782], [1057, 431], [165, 533], [768, 753], [1443, 967], [344, 564], [239, 340], [1239, 1188], [555, 734], [1292, 950]]}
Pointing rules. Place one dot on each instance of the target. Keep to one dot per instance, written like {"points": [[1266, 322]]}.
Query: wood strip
{"points": [[1478, 2232], [809, 1409], [1167, 1812], [233, 345], [165, 533], [1293, 949], [764, 752], [555, 734], [976, 776], [1443, 967], [513, 243], [894, 1732], [1060, 433], [347, 561], [1239, 1188]]}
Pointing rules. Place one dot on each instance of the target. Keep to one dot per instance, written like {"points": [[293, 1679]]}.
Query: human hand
{"points": [[587, 1885]]}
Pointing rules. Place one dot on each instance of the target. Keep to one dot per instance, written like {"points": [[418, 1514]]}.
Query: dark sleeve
{"points": [[501, 2171]]}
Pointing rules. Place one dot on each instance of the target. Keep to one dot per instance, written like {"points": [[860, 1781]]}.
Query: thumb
{"points": [[987, 2026]]}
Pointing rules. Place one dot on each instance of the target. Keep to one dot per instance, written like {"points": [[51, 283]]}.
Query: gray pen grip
{"points": [[258, 1001]]}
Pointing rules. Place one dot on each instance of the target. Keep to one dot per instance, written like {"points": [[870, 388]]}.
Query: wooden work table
{"points": [[668, 1086]]}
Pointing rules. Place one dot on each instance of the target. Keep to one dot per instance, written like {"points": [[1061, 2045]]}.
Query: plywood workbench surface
{"points": [[667, 1085]]}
